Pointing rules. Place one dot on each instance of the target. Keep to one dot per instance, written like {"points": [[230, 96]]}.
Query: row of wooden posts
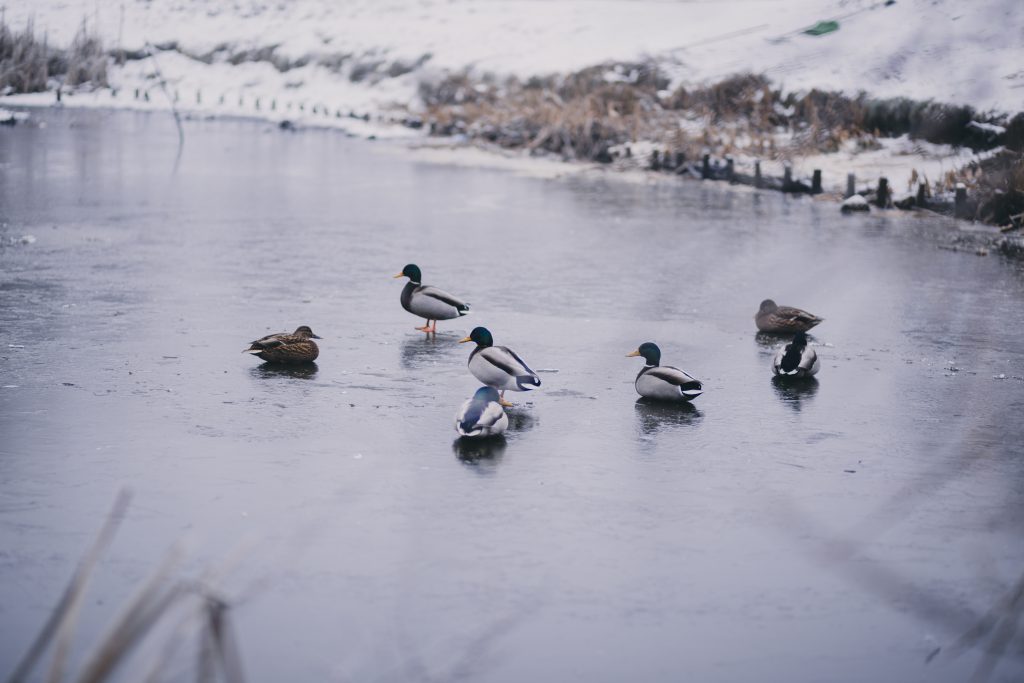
{"points": [[882, 196]]}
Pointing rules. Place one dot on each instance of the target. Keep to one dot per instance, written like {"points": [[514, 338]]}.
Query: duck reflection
{"points": [[795, 392], [657, 416], [481, 455], [268, 370], [520, 420], [424, 349]]}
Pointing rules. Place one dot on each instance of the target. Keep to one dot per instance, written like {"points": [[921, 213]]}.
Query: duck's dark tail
{"points": [[527, 382]]}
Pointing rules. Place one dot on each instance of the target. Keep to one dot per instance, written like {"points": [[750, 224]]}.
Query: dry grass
{"points": [[28, 63]]}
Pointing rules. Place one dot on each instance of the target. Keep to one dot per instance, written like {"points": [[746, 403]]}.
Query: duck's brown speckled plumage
{"points": [[297, 347], [784, 319]]}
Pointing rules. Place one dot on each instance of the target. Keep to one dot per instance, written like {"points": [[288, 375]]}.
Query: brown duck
{"points": [[784, 319], [297, 347]]}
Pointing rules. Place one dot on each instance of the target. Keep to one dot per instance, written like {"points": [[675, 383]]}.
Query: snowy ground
{"points": [[365, 56]]}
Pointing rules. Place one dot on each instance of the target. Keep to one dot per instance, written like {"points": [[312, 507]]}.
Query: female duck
{"points": [[482, 415], [297, 347], [498, 366], [783, 319], [796, 359], [429, 302], [663, 382]]}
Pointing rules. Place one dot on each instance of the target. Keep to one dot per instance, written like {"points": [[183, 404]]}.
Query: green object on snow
{"points": [[822, 27]]}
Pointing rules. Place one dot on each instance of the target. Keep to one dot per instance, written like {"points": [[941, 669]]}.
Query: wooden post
{"points": [[757, 173], [787, 178], [922, 195], [730, 169], [705, 168], [851, 185], [629, 152], [136, 93], [960, 201], [655, 161], [882, 197], [680, 159], [145, 96], [816, 181], [58, 93]]}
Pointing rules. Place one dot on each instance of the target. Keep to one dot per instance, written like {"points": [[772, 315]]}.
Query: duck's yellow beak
{"points": [[505, 403], [466, 339], [399, 275], [633, 353]]}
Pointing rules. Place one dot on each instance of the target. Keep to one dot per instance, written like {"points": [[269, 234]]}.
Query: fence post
{"points": [[960, 201], [787, 178], [816, 181], [757, 173], [705, 168], [851, 185], [922, 195], [883, 197], [730, 169], [655, 160]]}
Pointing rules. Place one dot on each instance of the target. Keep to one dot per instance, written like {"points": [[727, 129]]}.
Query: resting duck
{"points": [[297, 347], [429, 302], [663, 382], [498, 366], [796, 359], [784, 319], [482, 415]]}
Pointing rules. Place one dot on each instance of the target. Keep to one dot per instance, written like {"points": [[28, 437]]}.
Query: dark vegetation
{"points": [[28, 62]]}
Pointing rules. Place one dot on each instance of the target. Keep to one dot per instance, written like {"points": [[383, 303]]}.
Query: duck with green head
{"points": [[796, 359], [429, 302], [482, 415], [498, 366], [663, 382], [282, 347]]}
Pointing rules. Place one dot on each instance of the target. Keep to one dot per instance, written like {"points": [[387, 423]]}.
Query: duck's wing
{"points": [[675, 376], [476, 415], [796, 316], [269, 342], [442, 296], [506, 360], [809, 360]]}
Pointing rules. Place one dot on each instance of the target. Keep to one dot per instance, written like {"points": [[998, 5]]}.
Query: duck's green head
{"points": [[650, 352], [412, 271], [487, 394], [480, 335], [305, 331]]}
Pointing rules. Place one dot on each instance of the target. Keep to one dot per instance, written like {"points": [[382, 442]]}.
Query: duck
{"points": [[663, 382], [498, 366], [482, 415], [429, 302], [796, 359], [282, 347], [784, 319]]}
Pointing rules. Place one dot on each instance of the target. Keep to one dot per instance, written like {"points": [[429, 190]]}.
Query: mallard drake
{"points": [[482, 415], [796, 359], [297, 347], [663, 382], [784, 319], [498, 366], [429, 302]]}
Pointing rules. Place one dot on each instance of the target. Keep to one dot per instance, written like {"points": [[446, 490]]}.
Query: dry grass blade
{"points": [[148, 606], [222, 635], [61, 620]]}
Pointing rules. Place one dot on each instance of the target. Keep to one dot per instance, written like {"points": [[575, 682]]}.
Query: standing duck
{"points": [[784, 319], [482, 415], [663, 382], [796, 359], [498, 366], [429, 302], [297, 347]]}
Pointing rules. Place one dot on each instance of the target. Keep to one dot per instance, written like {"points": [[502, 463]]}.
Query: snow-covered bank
{"points": [[946, 50]]}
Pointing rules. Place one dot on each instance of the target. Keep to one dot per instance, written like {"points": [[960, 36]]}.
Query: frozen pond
{"points": [[841, 532]]}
